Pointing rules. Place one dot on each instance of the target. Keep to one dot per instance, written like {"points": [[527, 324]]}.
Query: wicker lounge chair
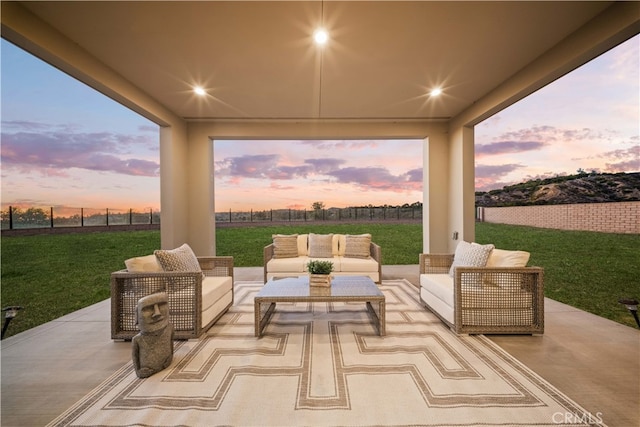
{"points": [[195, 302], [483, 300]]}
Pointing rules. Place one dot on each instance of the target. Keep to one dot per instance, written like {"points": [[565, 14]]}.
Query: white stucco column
{"points": [[461, 184], [435, 197], [186, 183], [173, 186], [200, 175]]}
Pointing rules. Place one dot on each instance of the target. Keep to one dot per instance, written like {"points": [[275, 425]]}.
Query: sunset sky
{"points": [[64, 144]]}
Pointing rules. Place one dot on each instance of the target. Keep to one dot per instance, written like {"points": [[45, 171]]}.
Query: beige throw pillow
{"points": [[357, 246], [320, 245], [179, 259], [285, 245], [504, 258]]}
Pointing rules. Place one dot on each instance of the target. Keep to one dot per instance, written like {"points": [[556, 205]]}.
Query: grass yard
{"points": [[53, 275]]}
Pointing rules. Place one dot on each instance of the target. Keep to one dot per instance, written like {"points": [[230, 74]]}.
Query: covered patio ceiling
{"points": [[257, 60]]}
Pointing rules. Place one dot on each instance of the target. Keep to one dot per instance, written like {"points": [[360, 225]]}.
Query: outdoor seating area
{"points": [[80, 356]]}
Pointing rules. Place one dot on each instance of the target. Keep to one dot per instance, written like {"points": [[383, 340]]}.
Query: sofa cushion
{"points": [[143, 264], [368, 265], [337, 265], [303, 244], [335, 244], [340, 240], [440, 285], [178, 259], [285, 245], [287, 265], [470, 255], [320, 245], [504, 258], [214, 288], [357, 246]]}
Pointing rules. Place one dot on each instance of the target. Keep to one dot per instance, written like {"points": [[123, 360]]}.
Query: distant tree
{"points": [[317, 209]]}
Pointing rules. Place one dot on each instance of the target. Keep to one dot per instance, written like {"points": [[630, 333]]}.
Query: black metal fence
{"points": [[395, 213], [14, 218]]}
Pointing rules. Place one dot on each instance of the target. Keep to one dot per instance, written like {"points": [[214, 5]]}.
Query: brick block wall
{"points": [[623, 217]]}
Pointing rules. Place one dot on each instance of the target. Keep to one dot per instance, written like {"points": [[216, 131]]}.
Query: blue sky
{"points": [[64, 144]]}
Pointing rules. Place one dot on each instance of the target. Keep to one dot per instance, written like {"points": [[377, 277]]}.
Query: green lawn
{"points": [[52, 275]]}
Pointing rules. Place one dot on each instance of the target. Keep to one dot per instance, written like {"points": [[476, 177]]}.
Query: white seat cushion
{"points": [[440, 285], [287, 265], [213, 288], [368, 265], [216, 295], [337, 265]]}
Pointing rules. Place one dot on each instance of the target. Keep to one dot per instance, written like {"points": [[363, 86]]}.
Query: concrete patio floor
{"points": [[594, 361]]}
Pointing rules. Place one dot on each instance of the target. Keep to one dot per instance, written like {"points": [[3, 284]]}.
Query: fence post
{"points": [[107, 217], [51, 216], [10, 217], [150, 216], [130, 216], [81, 217], [229, 215], [271, 214], [251, 215]]}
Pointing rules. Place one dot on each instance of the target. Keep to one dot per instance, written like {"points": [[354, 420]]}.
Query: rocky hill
{"points": [[580, 188]]}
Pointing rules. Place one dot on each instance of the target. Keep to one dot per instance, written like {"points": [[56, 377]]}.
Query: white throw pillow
{"points": [[470, 255], [143, 264]]}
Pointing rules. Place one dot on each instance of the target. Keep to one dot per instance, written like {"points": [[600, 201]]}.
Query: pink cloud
{"points": [[268, 166], [51, 152], [503, 147], [489, 177]]}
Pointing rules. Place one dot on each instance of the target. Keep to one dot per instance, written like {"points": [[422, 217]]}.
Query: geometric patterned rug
{"points": [[323, 364]]}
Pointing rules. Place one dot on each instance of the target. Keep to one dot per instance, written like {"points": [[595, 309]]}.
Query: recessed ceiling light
{"points": [[199, 91], [436, 91], [321, 37]]}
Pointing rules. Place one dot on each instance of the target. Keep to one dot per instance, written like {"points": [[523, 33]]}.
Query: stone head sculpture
{"points": [[152, 348], [152, 313]]}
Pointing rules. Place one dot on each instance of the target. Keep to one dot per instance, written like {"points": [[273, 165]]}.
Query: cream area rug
{"points": [[323, 364]]}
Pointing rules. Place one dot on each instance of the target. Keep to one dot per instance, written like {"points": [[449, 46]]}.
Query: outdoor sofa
{"points": [[200, 290], [351, 255], [483, 290]]}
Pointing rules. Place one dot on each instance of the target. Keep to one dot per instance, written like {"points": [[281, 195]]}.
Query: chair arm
{"points": [[376, 253], [148, 283], [216, 265], [184, 290], [498, 300], [435, 263], [509, 278], [267, 254]]}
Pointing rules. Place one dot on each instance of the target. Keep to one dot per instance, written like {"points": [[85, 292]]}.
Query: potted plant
{"points": [[320, 272]]}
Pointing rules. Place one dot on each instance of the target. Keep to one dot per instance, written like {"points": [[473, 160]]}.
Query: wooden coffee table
{"points": [[297, 289]]}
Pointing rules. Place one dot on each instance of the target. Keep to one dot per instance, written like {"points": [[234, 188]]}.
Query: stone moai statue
{"points": [[152, 348]]}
